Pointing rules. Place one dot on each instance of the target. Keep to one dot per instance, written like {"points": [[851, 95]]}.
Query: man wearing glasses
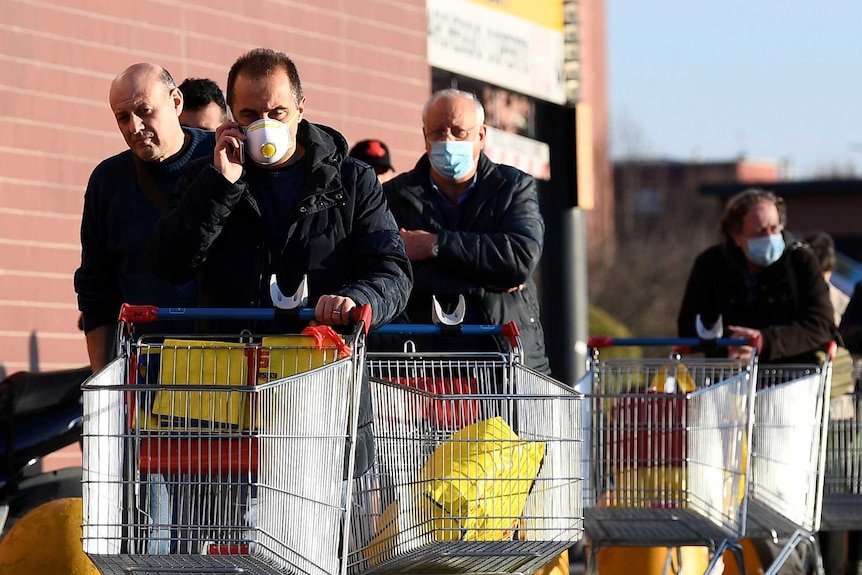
{"points": [[471, 227]]}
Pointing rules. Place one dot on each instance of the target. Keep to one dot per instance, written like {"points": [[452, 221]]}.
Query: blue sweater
{"points": [[116, 225]]}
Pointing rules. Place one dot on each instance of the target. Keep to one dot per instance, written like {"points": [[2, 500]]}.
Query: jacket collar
{"points": [[325, 149], [418, 193]]}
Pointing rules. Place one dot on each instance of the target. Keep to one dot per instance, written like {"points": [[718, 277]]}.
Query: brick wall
{"points": [[364, 70]]}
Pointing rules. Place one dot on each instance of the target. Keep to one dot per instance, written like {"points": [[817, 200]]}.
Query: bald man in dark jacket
{"points": [[471, 227]]}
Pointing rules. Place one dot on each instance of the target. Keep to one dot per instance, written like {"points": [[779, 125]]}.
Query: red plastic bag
{"points": [[447, 412]]}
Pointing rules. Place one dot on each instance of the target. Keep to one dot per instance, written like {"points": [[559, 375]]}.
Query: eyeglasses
{"points": [[442, 134]]}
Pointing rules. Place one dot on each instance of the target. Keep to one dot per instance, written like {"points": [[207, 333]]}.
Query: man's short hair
{"points": [[162, 76], [198, 93], [455, 93], [260, 63], [824, 248], [166, 79], [739, 205]]}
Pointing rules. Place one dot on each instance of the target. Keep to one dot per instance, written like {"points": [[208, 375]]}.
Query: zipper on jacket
{"points": [[252, 202]]}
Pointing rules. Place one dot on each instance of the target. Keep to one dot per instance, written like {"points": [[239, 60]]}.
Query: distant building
{"points": [[651, 195]]}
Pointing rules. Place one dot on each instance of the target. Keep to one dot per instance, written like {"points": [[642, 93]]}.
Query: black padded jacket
{"points": [[497, 246], [340, 233], [787, 301]]}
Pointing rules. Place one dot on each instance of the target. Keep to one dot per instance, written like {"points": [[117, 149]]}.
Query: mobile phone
{"points": [[241, 143]]}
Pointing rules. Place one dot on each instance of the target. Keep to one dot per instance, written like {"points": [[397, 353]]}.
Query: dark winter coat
{"points": [[787, 301], [340, 234], [118, 219], [499, 244], [851, 322]]}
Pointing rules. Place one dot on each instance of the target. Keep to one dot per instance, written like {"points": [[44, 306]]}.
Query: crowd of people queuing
{"points": [[219, 191], [271, 193]]}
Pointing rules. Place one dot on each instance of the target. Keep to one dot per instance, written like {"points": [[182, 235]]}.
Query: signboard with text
{"points": [[526, 154], [504, 45]]}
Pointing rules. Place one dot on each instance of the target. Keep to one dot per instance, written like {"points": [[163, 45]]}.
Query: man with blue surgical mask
{"points": [[471, 227], [761, 284]]}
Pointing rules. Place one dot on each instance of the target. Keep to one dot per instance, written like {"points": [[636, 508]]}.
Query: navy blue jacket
{"points": [[116, 225], [497, 246], [851, 322]]}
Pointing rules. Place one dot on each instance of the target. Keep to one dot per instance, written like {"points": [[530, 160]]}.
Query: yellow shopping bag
{"points": [[286, 355], [193, 364], [481, 477], [473, 487]]}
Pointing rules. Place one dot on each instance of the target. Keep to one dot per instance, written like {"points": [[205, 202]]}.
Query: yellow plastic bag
{"points": [[201, 363], [656, 487], [672, 379], [473, 487], [481, 477], [287, 355]]}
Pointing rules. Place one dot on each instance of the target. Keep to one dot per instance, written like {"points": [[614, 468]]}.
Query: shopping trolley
{"points": [[478, 461], [222, 455], [785, 489], [668, 441], [842, 497]]}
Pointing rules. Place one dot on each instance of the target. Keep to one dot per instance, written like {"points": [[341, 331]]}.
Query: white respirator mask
{"points": [[267, 141]]}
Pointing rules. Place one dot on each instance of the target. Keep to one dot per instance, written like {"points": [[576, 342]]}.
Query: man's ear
{"points": [[425, 141], [301, 108], [177, 98]]}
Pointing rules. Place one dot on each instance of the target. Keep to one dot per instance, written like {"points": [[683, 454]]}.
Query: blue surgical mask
{"points": [[452, 159], [765, 251]]}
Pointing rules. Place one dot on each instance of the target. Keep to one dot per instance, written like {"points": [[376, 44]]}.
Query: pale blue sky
{"points": [[773, 79]]}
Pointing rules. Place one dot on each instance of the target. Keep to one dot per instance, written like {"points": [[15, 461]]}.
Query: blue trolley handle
{"points": [[680, 344], [508, 330], [610, 341], [131, 314]]}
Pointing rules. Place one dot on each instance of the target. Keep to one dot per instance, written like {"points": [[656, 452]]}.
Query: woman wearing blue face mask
{"points": [[761, 283]]}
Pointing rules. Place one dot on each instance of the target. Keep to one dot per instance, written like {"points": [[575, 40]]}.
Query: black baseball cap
{"points": [[374, 153]]}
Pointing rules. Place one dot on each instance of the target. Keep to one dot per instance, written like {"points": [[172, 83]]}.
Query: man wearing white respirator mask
{"points": [[761, 283], [292, 204], [471, 227]]}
